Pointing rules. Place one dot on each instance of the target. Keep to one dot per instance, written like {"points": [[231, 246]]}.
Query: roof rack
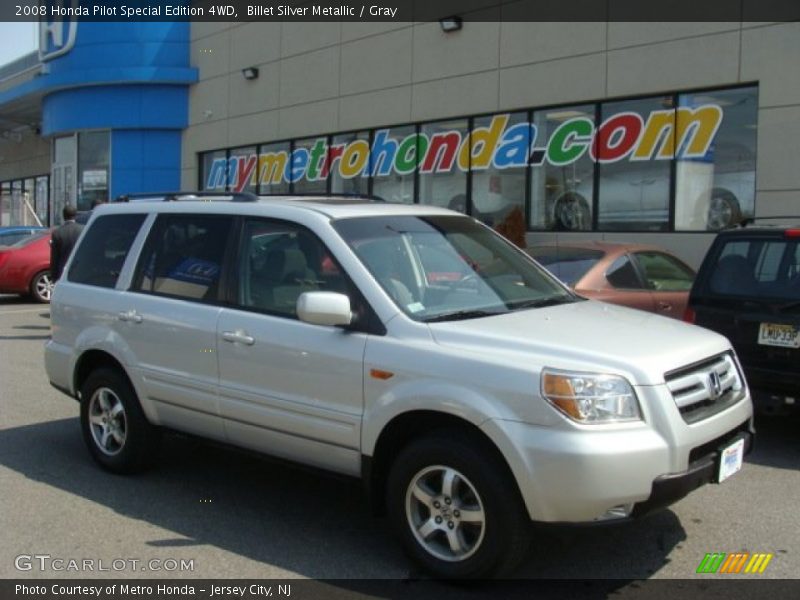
{"points": [[751, 220], [328, 195], [204, 196]]}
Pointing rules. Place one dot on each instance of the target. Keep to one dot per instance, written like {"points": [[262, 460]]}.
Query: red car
{"points": [[25, 268], [644, 277]]}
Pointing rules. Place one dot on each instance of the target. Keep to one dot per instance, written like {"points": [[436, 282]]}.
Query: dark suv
{"points": [[748, 289]]}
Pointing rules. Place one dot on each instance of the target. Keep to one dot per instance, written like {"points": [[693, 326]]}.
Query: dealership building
{"points": [[654, 132]]}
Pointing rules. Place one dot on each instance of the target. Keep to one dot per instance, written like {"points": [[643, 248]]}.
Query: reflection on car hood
{"points": [[587, 336]]}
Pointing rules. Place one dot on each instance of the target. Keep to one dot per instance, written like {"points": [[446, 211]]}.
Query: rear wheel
{"points": [[454, 508], [42, 287], [115, 430]]}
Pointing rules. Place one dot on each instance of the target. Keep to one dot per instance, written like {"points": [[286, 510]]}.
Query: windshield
{"points": [[439, 268]]}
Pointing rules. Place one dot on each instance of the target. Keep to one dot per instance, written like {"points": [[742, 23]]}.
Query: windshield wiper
{"points": [[542, 302], [459, 315]]}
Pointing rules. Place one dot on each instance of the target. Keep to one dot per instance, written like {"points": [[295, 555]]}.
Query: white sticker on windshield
{"points": [[415, 307]]}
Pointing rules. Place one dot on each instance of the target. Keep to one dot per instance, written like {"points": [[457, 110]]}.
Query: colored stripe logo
{"points": [[734, 563]]}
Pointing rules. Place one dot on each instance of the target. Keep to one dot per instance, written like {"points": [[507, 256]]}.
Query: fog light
{"points": [[621, 511]]}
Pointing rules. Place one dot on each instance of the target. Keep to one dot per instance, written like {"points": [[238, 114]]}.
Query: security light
{"points": [[450, 24], [250, 72]]}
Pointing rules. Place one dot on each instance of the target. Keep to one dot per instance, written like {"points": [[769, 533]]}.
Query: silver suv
{"points": [[410, 346]]}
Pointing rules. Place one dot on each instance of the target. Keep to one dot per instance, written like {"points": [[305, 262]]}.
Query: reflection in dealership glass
{"points": [[441, 268]]}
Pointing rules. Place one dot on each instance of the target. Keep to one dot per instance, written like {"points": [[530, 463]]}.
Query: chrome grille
{"points": [[706, 388]]}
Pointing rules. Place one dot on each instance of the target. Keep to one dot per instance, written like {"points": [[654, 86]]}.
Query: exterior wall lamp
{"points": [[250, 73], [450, 24]]}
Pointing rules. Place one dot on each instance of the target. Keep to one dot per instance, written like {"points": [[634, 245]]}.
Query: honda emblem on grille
{"points": [[714, 385]]}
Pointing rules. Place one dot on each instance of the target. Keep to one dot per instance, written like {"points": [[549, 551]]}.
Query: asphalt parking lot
{"points": [[235, 515]]}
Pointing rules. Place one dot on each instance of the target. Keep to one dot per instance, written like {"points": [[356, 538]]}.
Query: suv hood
{"points": [[586, 336]]}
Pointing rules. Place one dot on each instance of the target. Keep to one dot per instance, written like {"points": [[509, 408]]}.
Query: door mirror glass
{"points": [[324, 308]]}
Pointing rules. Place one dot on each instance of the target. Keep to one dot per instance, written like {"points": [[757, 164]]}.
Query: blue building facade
{"points": [[113, 102]]}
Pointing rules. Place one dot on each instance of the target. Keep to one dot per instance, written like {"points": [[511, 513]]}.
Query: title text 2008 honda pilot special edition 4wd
{"points": [[407, 345]]}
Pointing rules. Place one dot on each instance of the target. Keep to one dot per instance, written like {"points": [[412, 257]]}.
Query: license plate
{"points": [[730, 460], [773, 334]]}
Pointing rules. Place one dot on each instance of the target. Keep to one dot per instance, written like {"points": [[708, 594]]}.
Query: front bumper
{"points": [[668, 489], [575, 474]]}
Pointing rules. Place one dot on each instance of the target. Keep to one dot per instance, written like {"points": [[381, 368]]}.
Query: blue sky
{"points": [[17, 39]]}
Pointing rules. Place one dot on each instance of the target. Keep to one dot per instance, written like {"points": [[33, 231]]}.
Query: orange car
{"points": [[644, 277]]}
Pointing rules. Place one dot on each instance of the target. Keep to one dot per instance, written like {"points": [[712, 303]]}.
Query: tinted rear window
{"points": [[103, 249], [568, 264], [762, 268]]}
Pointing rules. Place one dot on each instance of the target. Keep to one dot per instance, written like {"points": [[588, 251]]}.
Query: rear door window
{"points": [[102, 252], [665, 273], [183, 256]]}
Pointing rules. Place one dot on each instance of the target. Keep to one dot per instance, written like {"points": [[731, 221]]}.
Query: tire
{"points": [[430, 522], [571, 213], [41, 287], [723, 210], [115, 430]]}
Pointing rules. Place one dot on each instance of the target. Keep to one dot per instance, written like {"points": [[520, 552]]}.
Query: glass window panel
{"points": [[42, 194], [93, 149], [442, 180], [348, 163], [715, 180], [5, 204], [634, 185], [16, 203], [28, 208], [307, 162], [272, 161], [99, 258], [243, 169], [562, 179], [393, 161], [214, 170], [498, 172], [183, 257]]}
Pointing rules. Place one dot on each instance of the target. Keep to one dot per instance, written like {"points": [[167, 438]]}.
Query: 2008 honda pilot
{"points": [[407, 345]]}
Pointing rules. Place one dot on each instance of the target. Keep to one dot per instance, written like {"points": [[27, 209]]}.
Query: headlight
{"points": [[590, 397]]}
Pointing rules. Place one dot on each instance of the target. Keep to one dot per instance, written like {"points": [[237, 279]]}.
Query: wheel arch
{"points": [[406, 427], [90, 361]]}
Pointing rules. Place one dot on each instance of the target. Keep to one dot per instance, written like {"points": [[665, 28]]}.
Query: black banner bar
{"points": [[400, 10]]}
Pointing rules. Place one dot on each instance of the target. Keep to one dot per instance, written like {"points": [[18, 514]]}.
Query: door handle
{"points": [[238, 336], [665, 306], [130, 316]]}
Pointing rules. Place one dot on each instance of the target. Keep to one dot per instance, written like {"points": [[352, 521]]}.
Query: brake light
{"points": [[792, 233], [689, 315]]}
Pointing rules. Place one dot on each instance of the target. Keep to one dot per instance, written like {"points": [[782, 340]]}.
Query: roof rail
{"points": [[751, 220], [204, 196], [331, 195]]}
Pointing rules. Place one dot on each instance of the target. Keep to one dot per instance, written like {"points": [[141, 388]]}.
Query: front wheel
{"points": [[454, 508], [115, 429], [42, 287]]}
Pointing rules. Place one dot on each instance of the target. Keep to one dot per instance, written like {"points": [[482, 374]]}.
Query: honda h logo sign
{"points": [[57, 28], [714, 385]]}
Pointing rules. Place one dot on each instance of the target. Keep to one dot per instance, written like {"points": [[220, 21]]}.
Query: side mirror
{"points": [[324, 308]]}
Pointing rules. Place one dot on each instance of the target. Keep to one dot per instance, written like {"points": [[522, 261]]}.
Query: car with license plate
{"points": [[748, 289], [407, 345], [634, 275], [25, 267]]}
